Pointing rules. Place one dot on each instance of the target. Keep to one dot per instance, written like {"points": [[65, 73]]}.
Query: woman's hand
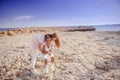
{"points": [[39, 47]]}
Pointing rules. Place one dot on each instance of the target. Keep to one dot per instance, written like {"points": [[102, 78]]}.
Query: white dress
{"points": [[46, 56]]}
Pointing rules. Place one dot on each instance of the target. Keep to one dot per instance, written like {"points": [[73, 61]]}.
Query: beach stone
{"points": [[18, 79], [101, 66], [10, 33]]}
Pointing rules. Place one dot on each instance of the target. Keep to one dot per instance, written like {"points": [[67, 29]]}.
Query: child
{"points": [[46, 49]]}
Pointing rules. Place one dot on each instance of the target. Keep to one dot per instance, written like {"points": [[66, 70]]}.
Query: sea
{"points": [[98, 28], [107, 27], [4, 29]]}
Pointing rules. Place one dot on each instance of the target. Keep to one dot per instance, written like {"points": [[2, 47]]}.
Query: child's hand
{"points": [[50, 54], [50, 50]]}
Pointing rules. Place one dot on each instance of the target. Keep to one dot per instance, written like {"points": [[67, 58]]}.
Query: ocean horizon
{"points": [[98, 27]]}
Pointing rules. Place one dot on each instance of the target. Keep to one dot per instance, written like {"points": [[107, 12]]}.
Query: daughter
{"points": [[46, 49]]}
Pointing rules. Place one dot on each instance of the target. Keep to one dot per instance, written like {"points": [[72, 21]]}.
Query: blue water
{"points": [[98, 28], [4, 29], [107, 27]]}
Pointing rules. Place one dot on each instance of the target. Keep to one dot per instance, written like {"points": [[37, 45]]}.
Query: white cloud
{"points": [[23, 17]]}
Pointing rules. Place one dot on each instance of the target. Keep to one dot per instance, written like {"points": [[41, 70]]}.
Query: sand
{"points": [[83, 56]]}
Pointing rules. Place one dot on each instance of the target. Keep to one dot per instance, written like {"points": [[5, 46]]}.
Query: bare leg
{"points": [[46, 62], [52, 63], [46, 66]]}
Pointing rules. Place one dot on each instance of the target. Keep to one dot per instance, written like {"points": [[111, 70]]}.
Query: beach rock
{"points": [[46, 29], [18, 79], [82, 28], [9, 32], [1, 32], [101, 66]]}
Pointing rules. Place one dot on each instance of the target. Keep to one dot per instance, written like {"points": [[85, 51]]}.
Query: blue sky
{"points": [[28, 13]]}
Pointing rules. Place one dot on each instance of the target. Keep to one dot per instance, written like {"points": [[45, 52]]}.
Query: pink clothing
{"points": [[37, 40]]}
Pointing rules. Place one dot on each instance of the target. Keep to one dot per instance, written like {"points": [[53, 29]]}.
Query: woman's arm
{"points": [[39, 46]]}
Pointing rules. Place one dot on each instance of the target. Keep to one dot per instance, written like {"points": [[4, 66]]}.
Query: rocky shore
{"points": [[46, 29]]}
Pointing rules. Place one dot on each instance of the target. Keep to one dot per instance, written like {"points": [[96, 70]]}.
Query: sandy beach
{"points": [[91, 55]]}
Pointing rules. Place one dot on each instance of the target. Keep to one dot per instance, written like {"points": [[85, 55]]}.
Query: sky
{"points": [[33, 13]]}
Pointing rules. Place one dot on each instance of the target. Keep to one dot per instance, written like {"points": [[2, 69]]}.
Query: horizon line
{"points": [[61, 25]]}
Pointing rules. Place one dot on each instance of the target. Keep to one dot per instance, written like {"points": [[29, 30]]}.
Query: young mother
{"points": [[36, 44]]}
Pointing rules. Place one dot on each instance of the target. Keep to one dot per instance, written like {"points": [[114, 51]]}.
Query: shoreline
{"points": [[16, 31], [45, 29]]}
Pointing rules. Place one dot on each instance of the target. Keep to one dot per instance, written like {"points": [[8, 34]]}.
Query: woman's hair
{"points": [[57, 40]]}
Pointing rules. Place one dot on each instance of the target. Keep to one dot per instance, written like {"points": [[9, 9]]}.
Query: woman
{"points": [[36, 44]]}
